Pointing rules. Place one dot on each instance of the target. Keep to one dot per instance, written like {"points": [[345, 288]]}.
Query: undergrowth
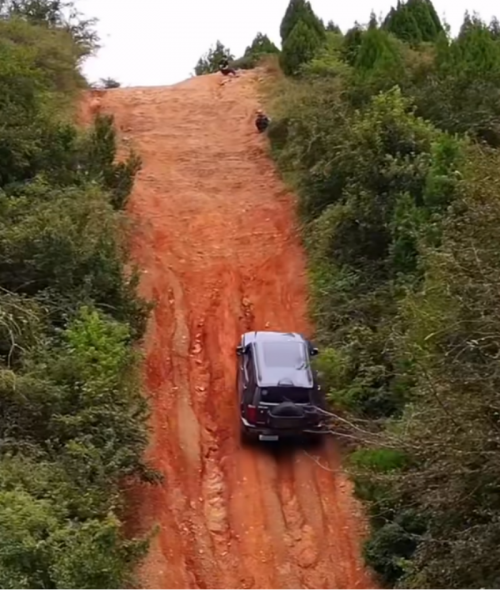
{"points": [[72, 419], [389, 134]]}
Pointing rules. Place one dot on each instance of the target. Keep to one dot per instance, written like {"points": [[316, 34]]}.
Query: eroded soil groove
{"points": [[220, 254]]}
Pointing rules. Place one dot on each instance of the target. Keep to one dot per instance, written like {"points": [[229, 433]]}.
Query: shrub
{"points": [[399, 209], [73, 417]]}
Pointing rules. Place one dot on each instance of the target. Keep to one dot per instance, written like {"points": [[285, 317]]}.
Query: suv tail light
{"points": [[252, 414]]}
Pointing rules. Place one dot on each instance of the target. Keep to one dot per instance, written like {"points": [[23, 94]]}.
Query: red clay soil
{"points": [[220, 253]]}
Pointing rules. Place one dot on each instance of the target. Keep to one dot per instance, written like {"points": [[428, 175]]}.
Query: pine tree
{"points": [[300, 10], [299, 47], [351, 43], [434, 15], [377, 51], [474, 54], [494, 28], [401, 23], [420, 11], [331, 27], [261, 45], [414, 22], [467, 25], [389, 18], [373, 23]]}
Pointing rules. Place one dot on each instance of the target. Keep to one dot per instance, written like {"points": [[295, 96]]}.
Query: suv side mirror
{"points": [[240, 350], [314, 352]]}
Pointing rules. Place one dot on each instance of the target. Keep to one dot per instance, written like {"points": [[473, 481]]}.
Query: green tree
{"points": [[351, 43], [210, 61], [401, 22], [494, 28], [434, 15], [261, 45], [299, 48], [400, 213], [259, 48], [300, 10], [414, 21], [378, 66], [331, 27], [73, 417], [425, 16], [464, 83], [58, 14]]}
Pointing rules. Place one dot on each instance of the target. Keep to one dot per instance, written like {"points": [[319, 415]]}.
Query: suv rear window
{"points": [[285, 354], [278, 395]]}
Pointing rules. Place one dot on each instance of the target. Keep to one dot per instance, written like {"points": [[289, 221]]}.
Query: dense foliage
{"points": [[260, 48], [72, 420], [390, 134], [414, 21]]}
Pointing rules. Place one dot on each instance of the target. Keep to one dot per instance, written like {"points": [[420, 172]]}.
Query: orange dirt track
{"points": [[220, 254]]}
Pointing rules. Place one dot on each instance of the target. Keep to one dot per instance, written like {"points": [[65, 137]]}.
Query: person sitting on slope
{"points": [[225, 69], [262, 121]]}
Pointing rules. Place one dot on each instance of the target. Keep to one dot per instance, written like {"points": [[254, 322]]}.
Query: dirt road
{"points": [[220, 255]]}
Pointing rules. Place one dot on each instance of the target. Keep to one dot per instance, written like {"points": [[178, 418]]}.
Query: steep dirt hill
{"points": [[220, 255]]}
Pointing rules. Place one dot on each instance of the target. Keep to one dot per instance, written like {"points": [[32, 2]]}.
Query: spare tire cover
{"points": [[287, 409]]}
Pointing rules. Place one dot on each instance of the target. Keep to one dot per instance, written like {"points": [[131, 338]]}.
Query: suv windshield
{"points": [[278, 395]]}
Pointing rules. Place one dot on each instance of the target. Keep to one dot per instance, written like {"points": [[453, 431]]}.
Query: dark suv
{"points": [[278, 391]]}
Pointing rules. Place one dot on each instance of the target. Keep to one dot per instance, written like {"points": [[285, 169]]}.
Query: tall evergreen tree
{"points": [[467, 25], [261, 45], [434, 15], [494, 28], [299, 47], [401, 23], [351, 44], [300, 10], [419, 9], [414, 21], [377, 51], [332, 27]]}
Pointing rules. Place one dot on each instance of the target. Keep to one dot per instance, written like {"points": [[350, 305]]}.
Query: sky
{"points": [[158, 42]]}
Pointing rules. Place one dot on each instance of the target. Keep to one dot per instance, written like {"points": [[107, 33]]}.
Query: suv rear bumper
{"points": [[253, 431]]}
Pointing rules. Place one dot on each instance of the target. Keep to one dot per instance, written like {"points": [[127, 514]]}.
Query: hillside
{"points": [[137, 245], [219, 255]]}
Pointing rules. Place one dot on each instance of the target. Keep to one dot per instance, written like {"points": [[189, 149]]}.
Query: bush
{"points": [[73, 417], [385, 143]]}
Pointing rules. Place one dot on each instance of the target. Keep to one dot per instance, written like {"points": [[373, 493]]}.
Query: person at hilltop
{"points": [[225, 68]]}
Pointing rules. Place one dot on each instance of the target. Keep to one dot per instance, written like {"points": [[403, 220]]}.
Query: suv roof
{"points": [[280, 359]]}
